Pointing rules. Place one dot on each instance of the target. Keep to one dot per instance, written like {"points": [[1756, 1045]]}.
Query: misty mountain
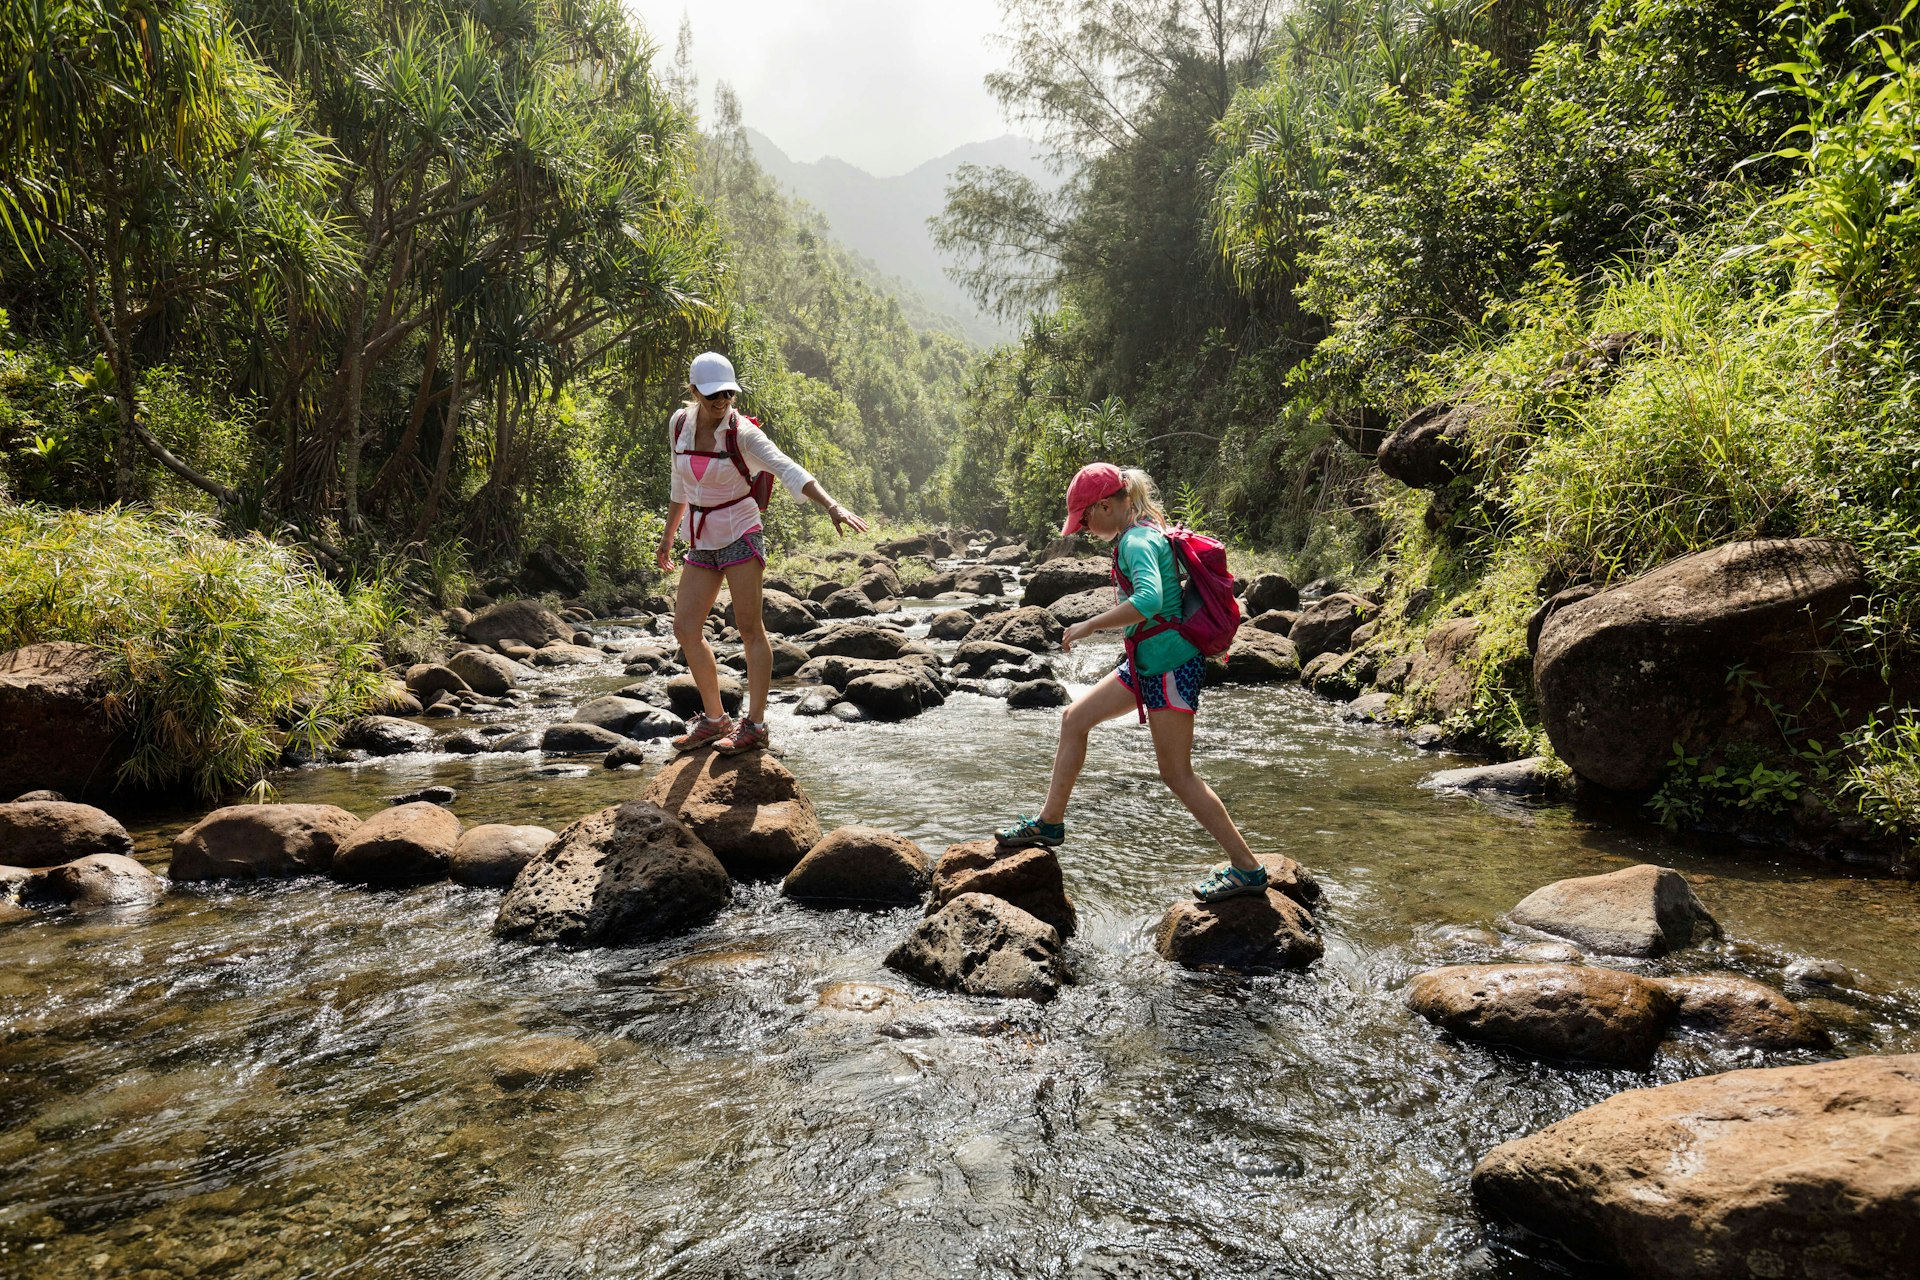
{"points": [[885, 219]]}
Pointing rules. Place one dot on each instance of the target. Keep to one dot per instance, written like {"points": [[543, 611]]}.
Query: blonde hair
{"points": [[1143, 497]]}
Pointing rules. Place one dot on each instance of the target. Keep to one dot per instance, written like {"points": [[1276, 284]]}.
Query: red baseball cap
{"points": [[1095, 482]]}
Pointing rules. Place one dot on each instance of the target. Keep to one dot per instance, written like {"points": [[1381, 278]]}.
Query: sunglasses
{"points": [[718, 395]]}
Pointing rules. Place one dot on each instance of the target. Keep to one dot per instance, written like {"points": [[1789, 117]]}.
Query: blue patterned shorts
{"points": [[750, 545], [1175, 690]]}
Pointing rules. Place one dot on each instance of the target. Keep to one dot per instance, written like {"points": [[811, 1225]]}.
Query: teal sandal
{"points": [[1230, 881], [1031, 832]]}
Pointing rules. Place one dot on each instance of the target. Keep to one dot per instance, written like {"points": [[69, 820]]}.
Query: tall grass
{"points": [[221, 650]]}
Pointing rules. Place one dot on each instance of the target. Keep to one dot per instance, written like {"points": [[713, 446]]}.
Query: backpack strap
{"points": [[733, 447]]}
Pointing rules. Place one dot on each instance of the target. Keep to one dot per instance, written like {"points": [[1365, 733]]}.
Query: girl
{"points": [[714, 450], [1163, 668]]}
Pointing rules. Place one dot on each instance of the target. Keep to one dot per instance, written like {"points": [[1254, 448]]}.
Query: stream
{"points": [[293, 1078]]}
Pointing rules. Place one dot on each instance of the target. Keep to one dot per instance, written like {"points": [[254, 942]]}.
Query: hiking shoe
{"points": [[746, 736], [1230, 881], [701, 730], [1029, 833]]}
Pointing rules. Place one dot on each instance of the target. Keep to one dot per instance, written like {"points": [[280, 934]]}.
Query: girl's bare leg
{"points": [[692, 602], [1105, 701], [1173, 748], [743, 581]]}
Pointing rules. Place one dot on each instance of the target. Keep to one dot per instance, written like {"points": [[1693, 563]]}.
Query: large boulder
{"points": [[1800, 1173], [1637, 911], [1573, 1013], [1251, 933], [100, 880], [952, 624], [1028, 878], [1057, 578], [45, 833], [1625, 675], [1744, 1013], [407, 844], [1082, 606], [848, 602], [1271, 591], [425, 678], [493, 853], [785, 615], [524, 620], [887, 695], [1327, 624], [261, 841], [1441, 680], [547, 568], [490, 673], [748, 809], [55, 728], [1028, 627], [570, 739], [861, 640], [979, 581], [861, 867], [387, 736], [1430, 448], [1255, 657], [983, 946], [627, 874]]}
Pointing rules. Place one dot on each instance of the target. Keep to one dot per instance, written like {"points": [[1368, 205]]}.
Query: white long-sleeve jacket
{"points": [[722, 482]]}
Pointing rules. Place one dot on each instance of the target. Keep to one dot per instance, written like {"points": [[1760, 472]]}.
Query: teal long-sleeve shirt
{"points": [[1146, 560]]}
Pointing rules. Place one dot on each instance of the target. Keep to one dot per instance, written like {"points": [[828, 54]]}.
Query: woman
{"points": [[715, 451], [1120, 507]]}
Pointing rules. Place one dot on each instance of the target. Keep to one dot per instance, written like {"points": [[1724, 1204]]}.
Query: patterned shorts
{"points": [[1175, 690], [748, 546]]}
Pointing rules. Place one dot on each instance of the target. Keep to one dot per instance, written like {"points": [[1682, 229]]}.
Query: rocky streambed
{"points": [[343, 1075]]}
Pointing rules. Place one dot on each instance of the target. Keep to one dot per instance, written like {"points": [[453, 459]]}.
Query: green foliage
{"points": [[222, 651], [1884, 781]]}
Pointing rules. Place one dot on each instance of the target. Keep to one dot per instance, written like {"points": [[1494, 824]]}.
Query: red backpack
{"points": [[759, 487], [1209, 612]]}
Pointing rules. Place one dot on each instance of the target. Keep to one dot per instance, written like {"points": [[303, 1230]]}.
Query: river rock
{"points": [[1255, 657], [523, 620], [787, 657], [886, 695], [1430, 448], [624, 875], [748, 809], [407, 844], [393, 698], [983, 946], [1573, 1013], [569, 739], [1082, 606], [1369, 708], [861, 640], [626, 754], [1057, 578], [1440, 681], [784, 614], [45, 833], [1740, 1011], [627, 717], [387, 736], [1800, 1172], [1029, 628], [977, 657], [1252, 933], [101, 880], [547, 568], [848, 602], [1278, 621], [1625, 675], [1638, 911], [514, 650], [861, 866], [261, 841], [842, 672], [55, 730], [560, 653], [1271, 592], [430, 677], [1028, 878], [1528, 777], [1038, 693], [1013, 553], [1537, 620], [490, 673], [559, 1062], [492, 854], [1340, 676], [953, 624], [1327, 624], [683, 695]]}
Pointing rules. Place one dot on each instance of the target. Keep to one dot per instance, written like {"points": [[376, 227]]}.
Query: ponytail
{"points": [[1143, 497]]}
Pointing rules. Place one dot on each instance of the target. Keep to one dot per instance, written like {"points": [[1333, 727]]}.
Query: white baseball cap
{"points": [[712, 372]]}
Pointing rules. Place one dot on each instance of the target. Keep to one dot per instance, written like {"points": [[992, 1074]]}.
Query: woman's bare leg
{"points": [[1173, 748], [1105, 701], [692, 602], [743, 581]]}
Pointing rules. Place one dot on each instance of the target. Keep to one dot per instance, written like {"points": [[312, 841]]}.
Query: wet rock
{"points": [[1029, 628], [1339, 676], [1082, 606], [1271, 592], [787, 657], [1028, 878], [625, 755], [886, 695], [407, 844], [525, 740], [862, 640], [490, 673], [683, 695], [1528, 777], [1327, 624], [861, 866], [261, 841], [492, 854], [439, 795], [26, 797], [523, 621], [951, 625], [1573, 1013], [1014, 553], [747, 808], [979, 581], [387, 736], [1740, 1011], [55, 730], [1801, 1171], [983, 946], [627, 874], [1819, 973], [1430, 448], [784, 614], [1440, 681], [559, 653], [99, 881], [429, 677], [623, 716], [817, 703], [1625, 675], [1278, 621], [568, 739], [1255, 657], [977, 657], [558, 1062], [1038, 693], [1638, 911], [395, 699], [848, 602], [1428, 737], [1057, 578], [441, 711], [45, 833], [1537, 620], [849, 712], [1369, 708], [1549, 953], [1263, 933], [842, 672]]}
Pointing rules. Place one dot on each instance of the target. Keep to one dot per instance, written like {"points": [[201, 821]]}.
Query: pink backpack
{"points": [[1210, 615]]}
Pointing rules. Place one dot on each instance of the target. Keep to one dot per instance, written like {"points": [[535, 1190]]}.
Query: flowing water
{"points": [[298, 1078]]}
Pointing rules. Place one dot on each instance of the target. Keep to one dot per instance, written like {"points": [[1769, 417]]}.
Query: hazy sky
{"points": [[882, 84]]}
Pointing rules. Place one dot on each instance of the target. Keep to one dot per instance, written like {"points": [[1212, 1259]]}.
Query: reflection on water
{"points": [[301, 1079]]}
